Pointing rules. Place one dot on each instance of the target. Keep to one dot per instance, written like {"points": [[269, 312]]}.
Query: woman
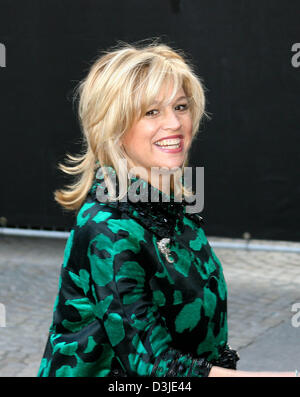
{"points": [[141, 291]]}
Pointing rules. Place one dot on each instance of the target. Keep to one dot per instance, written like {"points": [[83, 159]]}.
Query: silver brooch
{"points": [[162, 246]]}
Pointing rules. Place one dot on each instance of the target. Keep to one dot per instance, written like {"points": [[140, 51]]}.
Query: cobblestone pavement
{"points": [[262, 286]]}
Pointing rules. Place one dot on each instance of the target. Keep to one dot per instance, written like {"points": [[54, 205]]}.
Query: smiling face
{"points": [[162, 136]]}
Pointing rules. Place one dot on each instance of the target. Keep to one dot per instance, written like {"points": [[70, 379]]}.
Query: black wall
{"points": [[242, 50]]}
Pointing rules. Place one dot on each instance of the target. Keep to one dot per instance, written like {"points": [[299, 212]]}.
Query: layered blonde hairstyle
{"points": [[118, 89]]}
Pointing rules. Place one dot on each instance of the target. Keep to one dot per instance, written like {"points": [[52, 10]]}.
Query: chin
{"points": [[173, 164]]}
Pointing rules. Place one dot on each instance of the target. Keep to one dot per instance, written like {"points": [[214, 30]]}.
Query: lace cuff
{"points": [[175, 364], [227, 359]]}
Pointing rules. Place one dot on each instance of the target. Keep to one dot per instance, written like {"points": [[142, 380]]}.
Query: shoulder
{"points": [[104, 222], [103, 233]]}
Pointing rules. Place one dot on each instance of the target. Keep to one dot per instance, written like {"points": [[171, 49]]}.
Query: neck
{"points": [[162, 182]]}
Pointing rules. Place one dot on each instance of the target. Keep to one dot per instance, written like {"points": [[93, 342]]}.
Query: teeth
{"points": [[168, 142], [170, 146]]}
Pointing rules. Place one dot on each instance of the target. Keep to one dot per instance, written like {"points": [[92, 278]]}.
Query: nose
{"points": [[171, 121]]}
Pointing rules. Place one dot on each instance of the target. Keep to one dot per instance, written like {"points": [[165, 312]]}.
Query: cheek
{"points": [[138, 144], [188, 127]]}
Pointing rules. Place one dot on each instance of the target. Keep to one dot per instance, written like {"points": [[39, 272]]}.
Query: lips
{"points": [[170, 144], [170, 137]]}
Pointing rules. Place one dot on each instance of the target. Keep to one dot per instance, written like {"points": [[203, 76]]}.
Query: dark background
{"points": [[241, 50]]}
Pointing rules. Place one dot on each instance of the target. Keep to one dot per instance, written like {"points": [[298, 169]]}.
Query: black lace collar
{"points": [[162, 217]]}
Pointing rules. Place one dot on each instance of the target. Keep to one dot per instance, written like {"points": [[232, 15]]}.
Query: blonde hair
{"points": [[120, 86]]}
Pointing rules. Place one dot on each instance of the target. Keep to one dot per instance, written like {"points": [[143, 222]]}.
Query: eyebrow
{"points": [[182, 97], [178, 99]]}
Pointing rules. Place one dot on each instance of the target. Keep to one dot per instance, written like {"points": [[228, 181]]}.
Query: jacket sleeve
{"points": [[120, 274]]}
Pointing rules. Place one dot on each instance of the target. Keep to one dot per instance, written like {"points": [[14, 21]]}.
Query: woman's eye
{"points": [[152, 112], [182, 107]]}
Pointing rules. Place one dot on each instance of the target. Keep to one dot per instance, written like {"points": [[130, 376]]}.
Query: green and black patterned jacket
{"points": [[127, 306]]}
